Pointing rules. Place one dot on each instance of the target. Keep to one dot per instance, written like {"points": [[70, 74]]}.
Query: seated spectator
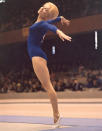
{"points": [[26, 86], [19, 87], [13, 86], [60, 86], [34, 88], [38, 86], [5, 88], [81, 71], [89, 82], [99, 81], [76, 85]]}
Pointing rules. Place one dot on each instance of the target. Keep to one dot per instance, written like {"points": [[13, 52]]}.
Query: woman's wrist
{"points": [[64, 21], [58, 32], [61, 17]]}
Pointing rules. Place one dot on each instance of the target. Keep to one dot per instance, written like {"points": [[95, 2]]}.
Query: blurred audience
{"points": [[26, 81]]}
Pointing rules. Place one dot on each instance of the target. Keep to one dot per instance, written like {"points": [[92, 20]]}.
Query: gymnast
{"points": [[47, 15]]}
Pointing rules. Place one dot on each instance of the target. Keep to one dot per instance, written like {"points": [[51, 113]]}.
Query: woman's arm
{"points": [[62, 35], [54, 20], [54, 29], [65, 21], [60, 18]]}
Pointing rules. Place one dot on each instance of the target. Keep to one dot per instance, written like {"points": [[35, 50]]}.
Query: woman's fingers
{"points": [[63, 36], [68, 38]]}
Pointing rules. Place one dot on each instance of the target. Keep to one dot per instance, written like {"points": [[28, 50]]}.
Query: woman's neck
{"points": [[40, 19]]}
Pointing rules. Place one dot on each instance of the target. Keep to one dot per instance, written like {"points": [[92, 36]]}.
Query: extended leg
{"points": [[41, 71]]}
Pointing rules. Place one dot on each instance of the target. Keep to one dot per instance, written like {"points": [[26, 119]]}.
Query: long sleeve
{"points": [[55, 20], [51, 27], [36, 25]]}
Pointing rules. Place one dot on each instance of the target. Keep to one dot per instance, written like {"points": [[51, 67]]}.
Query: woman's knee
{"points": [[47, 86]]}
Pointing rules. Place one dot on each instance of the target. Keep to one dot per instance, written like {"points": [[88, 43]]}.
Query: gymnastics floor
{"points": [[36, 115]]}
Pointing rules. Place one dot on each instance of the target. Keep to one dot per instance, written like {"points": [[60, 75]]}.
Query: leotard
{"points": [[35, 37]]}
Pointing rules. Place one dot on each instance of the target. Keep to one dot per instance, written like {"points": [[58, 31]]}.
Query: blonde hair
{"points": [[54, 12]]}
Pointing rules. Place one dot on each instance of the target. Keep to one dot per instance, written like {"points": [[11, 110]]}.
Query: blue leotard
{"points": [[35, 38]]}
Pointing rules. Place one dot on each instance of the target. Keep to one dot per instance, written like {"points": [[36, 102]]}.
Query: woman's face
{"points": [[44, 10]]}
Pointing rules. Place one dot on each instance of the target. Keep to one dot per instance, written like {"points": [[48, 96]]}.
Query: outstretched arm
{"points": [[54, 29], [54, 20], [60, 18], [62, 35], [65, 21]]}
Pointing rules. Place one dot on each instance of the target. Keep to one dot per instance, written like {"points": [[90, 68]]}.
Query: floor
{"points": [[36, 115]]}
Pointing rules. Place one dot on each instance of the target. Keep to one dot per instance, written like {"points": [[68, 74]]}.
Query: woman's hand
{"points": [[64, 21], [63, 36]]}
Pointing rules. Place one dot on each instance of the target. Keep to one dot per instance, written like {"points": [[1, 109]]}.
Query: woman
{"points": [[47, 15]]}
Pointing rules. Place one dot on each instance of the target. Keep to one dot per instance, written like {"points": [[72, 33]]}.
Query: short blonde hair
{"points": [[54, 12]]}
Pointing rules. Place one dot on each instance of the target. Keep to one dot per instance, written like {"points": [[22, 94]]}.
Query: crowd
{"points": [[64, 78], [17, 20], [21, 14]]}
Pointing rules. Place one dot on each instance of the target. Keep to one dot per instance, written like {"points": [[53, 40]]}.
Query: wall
{"points": [[84, 24]]}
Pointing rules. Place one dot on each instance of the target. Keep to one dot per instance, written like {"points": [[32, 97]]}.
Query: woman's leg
{"points": [[41, 71]]}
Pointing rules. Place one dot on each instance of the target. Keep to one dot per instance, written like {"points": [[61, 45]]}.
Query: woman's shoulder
{"points": [[36, 24]]}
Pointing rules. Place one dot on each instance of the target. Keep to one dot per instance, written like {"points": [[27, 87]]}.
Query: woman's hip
{"points": [[37, 52]]}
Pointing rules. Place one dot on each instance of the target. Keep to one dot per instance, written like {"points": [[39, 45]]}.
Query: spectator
{"points": [[25, 81], [76, 85], [19, 87]]}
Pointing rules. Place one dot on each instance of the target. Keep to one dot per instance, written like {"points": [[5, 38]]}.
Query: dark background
{"points": [[15, 13], [80, 51]]}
